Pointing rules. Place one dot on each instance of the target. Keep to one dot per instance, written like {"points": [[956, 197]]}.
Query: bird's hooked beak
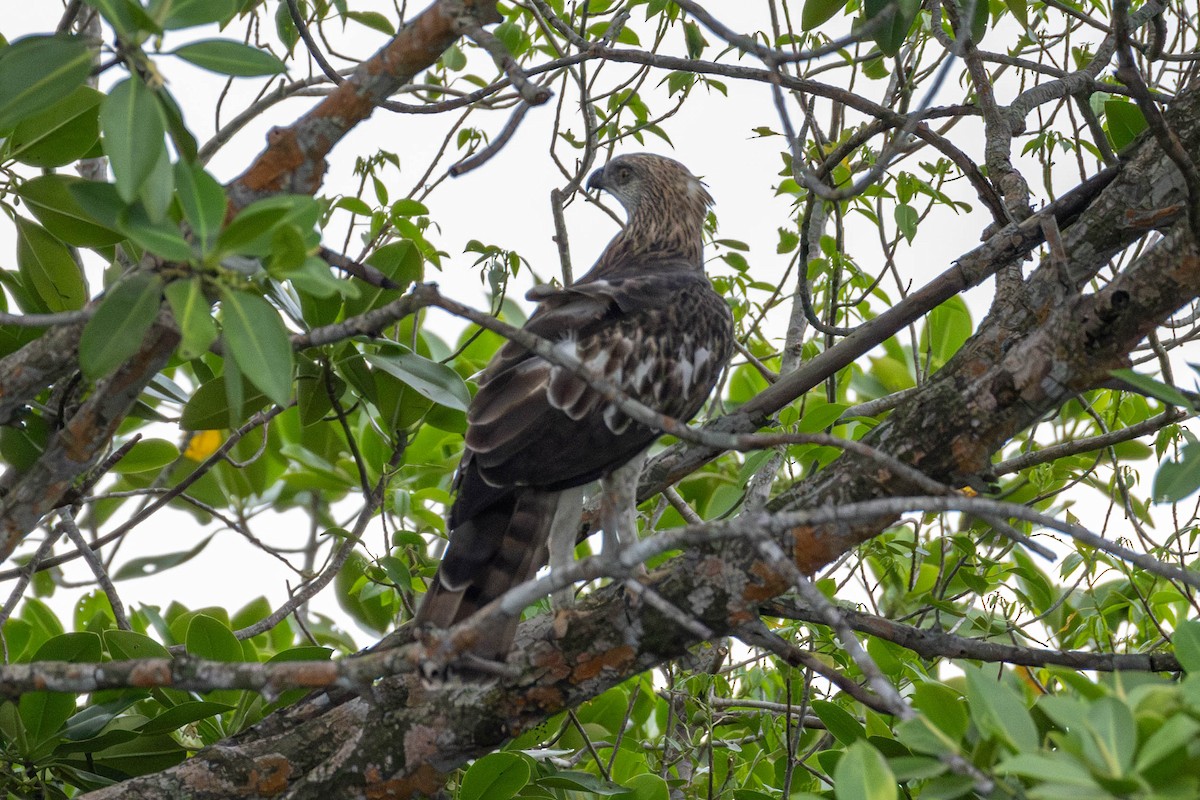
{"points": [[596, 180]]}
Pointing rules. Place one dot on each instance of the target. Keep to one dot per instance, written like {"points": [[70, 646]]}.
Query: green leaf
{"points": [[133, 129], [431, 380], [1177, 480], [817, 12], [47, 268], [228, 57], [63, 133], [906, 220], [946, 329], [258, 342], [1113, 738], [1156, 389], [52, 201], [1187, 645], [202, 200], [190, 13], [148, 455], [580, 782], [99, 200], [162, 238], [152, 565], [373, 20], [43, 713], [38, 71], [209, 638], [115, 331], [251, 231], [901, 14], [209, 409], [1125, 121], [862, 773], [176, 717], [999, 711], [496, 776], [131, 645], [193, 315], [845, 728]]}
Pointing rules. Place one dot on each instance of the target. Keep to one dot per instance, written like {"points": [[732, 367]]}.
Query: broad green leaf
{"points": [[63, 133], [1176, 733], [496, 776], [51, 200], [176, 14], [817, 12], [38, 71], [893, 33], [133, 129], [946, 329], [906, 220], [1058, 768], [115, 331], [228, 57], [258, 342], [202, 200], [306, 652], [648, 786], [100, 201], [845, 728], [148, 455], [209, 638], [47, 268], [1187, 645], [431, 380], [1178, 480], [159, 188], [862, 773], [131, 645], [176, 717], [580, 782], [193, 315], [152, 565], [1125, 121], [208, 408], [999, 711], [1156, 389], [161, 238], [43, 713], [251, 231], [1113, 736]]}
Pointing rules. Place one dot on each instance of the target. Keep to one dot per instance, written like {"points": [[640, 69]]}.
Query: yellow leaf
{"points": [[202, 445]]}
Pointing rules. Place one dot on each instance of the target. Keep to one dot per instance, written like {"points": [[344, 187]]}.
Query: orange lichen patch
{"points": [[769, 583], [589, 666], [282, 157], [550, 663], [269, 776], [808, 552], [424, 782], [151, 673], [546, 698]]}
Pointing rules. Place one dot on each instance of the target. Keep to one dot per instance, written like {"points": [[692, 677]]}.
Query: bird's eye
{"points": [[622, 174]]}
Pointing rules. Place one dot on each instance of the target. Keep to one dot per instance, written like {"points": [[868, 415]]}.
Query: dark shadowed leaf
{"points": [[38, 71], [258, 342], [1125, 122], [115, 331], [184, 713], [230, 58], [43, 713], [130, 645]]}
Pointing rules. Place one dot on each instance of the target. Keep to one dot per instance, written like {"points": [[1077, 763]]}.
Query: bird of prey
{"points": [[646, 318]]}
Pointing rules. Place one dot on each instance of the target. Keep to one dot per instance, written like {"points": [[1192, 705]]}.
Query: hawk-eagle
{"points": [[646, 318]]}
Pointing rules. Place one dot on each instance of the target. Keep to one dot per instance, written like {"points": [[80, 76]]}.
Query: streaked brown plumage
{"points": [[645, 317]]}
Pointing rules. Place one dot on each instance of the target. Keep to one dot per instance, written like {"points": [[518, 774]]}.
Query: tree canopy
{"points": [[918, 544]]}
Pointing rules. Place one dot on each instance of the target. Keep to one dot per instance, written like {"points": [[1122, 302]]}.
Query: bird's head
{"points": [[647, 182]]}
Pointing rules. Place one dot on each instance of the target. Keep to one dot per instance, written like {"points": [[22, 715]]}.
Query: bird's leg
{"points": [[618, 509], [564, 529]]}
